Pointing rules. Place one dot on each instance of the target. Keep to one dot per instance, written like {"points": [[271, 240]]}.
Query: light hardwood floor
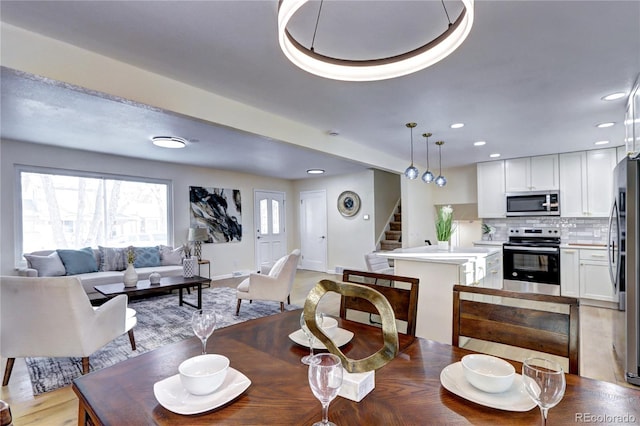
{"points": [[60, 407]]}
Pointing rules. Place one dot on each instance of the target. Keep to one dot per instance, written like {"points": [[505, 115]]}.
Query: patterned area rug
{"points": [[160, 321]]}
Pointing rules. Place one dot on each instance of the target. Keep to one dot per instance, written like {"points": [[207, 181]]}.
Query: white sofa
{"points": [[101, 277]]}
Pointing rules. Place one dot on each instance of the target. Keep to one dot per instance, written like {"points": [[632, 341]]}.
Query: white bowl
{"points": [[203, 374], [488, 373], [330, 326]]}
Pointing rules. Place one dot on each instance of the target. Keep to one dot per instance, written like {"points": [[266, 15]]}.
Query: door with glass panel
{"points": [[270, 236]]}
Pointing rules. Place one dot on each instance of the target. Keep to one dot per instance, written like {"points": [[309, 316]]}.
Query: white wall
{"points": [[349, 238], [417, 213], [387, 194], [461, 187], [225, 258]]}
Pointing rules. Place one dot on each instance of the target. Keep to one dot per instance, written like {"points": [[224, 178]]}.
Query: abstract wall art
{"points": [[219, 210]]}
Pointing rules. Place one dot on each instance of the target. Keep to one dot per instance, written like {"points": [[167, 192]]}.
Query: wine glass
{"points": [[325, 379], [544, 381], [203, 323], [303, 325]]}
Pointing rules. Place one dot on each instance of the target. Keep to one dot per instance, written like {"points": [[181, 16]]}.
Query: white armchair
{"points": [[53, 317], [275, 286]]}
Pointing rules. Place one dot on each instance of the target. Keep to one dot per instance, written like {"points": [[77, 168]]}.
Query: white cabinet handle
{"points": [[569, 251], [597, 255]]}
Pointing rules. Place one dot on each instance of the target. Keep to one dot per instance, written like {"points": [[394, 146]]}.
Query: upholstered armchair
{"points": [[53, 317], [275, 286]]}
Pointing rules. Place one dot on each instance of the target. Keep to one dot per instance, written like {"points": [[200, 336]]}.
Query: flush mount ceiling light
{"points": [[457, 125], [480, 143], [371, 69], [614, 96], [315, 171], [601, 143], [494, 155], [605, 125], [169, 142]]}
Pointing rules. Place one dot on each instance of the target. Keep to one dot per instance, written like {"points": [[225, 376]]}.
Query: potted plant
{"points": [[444, 226], [130, 277]]}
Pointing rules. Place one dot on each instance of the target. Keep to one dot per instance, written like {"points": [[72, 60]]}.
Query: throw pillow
{"points": [[146, 257], [277, 267], [112, 259], [78, 261], [47, 266], [171, 256]]}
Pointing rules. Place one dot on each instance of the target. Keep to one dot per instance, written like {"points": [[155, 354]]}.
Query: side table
{"points": [[208, 263]]}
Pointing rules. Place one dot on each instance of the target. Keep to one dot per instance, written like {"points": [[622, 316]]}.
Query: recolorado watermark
{"points": [[605, 418]]}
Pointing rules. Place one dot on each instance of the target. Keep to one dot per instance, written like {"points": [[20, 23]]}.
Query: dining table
{"points": [[408, 390]]}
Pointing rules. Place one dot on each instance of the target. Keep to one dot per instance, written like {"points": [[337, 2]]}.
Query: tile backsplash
{"points": [[572, 230]]}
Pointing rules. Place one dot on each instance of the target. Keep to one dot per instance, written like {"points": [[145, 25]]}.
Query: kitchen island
{"points": [[438, 271]]}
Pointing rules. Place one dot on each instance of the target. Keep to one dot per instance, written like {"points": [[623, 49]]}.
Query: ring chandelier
{"points": [[371, 69]]}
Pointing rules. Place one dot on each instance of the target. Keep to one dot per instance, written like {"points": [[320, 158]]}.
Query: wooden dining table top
{"points": [[407, 390]]}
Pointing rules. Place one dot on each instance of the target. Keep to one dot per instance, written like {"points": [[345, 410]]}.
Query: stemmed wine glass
{"points": [[544, 381], [303, 325], [203, 323], [325, 379]]}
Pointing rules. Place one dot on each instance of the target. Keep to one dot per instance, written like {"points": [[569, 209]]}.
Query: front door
{"points": [[313, 230], [270, 237]]}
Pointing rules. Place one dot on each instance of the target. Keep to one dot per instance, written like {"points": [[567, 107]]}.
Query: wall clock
{"points": [[348, 203]]}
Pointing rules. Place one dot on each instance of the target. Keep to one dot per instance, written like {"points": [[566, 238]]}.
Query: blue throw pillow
{"points": [[146, 257], [78, 261]]}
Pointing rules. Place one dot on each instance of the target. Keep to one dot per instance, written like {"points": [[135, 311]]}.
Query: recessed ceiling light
{"points": [[605, 125], [169, 142], [457, 125], [315, 171], [601, 143], [614, 96], [494, 155], [479, 143]]}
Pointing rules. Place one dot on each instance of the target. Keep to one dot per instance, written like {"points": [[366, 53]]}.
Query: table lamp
{"points": [[197, 235]]}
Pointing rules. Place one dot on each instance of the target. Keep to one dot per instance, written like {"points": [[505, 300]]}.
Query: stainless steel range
{"points": [[532, 260]]}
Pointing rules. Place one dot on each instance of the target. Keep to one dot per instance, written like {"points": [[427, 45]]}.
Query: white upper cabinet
{"points": [[532, 173], [586, 183], [491, 198]]}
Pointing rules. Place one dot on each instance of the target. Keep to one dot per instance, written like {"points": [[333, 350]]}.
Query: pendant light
{"points": [[440, 180], [427, 176], [412, 171]]}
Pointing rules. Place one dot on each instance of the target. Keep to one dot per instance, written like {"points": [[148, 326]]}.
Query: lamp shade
{"points": [[198, 234]]}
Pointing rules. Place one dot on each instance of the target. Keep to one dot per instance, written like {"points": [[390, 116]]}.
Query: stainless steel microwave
{"points": [[534, 203]]}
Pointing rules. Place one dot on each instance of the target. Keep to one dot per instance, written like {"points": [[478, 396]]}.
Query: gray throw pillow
{"points": [[113, 258], [47, 266], [78, 261], [171, 256]]}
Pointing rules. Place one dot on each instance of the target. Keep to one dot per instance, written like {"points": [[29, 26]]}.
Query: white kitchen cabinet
{"points": [[493, 277], [570, 272], [491, 198], [532, 173], [595, 281], [586, 182]]}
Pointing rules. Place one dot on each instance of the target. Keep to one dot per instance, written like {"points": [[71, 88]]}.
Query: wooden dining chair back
{"points": [[401, 292], [491, 315]]}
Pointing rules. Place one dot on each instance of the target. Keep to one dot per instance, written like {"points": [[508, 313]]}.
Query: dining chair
{"points": [[275, 286], [378, 264], [401, 292], [538, 322], [53, 317]]}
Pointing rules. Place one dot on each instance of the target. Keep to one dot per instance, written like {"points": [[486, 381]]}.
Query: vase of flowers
{"points": [[189, 262], [130, 277], [444, 227]]}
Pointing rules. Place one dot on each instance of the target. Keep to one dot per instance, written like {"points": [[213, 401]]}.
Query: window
{"points": [[63, 209]]}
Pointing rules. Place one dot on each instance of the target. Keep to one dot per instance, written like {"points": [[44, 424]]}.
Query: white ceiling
{"points": [[528, 80]]}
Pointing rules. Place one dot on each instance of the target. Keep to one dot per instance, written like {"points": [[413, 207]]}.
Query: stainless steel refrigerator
{"points": [[623, 266]]}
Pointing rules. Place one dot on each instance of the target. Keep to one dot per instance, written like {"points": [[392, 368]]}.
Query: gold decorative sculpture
{"points": [[389, 330]]}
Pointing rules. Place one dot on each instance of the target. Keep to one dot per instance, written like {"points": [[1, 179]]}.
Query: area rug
{"points": [[160, 321]]}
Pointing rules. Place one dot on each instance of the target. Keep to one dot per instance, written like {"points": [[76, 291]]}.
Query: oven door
{"points": [[532, 269]]}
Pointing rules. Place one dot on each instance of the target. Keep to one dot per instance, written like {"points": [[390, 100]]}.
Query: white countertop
{"points": [[456, 255]]}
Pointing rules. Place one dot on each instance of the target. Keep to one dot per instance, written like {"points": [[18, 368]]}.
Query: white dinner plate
{"points": [[341, 338], [513, 399], [172, 396]]}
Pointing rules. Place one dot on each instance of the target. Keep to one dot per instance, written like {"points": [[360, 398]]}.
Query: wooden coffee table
{"points": [[144, 288]]}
